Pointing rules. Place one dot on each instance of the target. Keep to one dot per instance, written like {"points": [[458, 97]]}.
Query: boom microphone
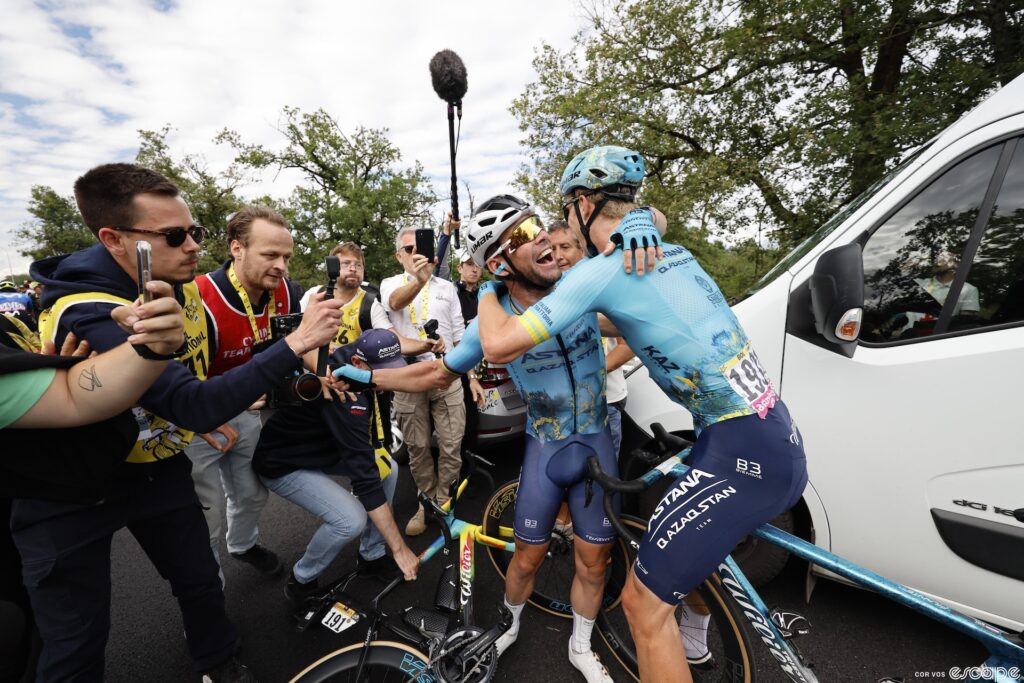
{"points": [[448, 76]]}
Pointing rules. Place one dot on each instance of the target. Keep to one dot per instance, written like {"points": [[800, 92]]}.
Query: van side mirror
{"points": [[837, 295]]}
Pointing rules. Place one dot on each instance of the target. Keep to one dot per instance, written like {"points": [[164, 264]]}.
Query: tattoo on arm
{"points": [[89, 380]]}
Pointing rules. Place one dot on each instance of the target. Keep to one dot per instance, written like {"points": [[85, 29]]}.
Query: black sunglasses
{"points": [[408, 249], [175, 236]]}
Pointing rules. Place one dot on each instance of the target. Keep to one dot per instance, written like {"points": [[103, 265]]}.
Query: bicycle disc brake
{"points": [[447, 665]]}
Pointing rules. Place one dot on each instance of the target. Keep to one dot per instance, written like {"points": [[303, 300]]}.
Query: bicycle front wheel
{"points": [[386, 661], [553, 581], [728, 642]]}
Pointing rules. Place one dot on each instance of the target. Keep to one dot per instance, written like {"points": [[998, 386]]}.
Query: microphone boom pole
{"points": [[448, 76]]}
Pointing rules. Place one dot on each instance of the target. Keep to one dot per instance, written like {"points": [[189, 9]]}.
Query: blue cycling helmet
{"points": [[601, 167]]}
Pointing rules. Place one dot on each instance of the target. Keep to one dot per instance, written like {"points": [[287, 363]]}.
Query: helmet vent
{"points": [[486, 221]]}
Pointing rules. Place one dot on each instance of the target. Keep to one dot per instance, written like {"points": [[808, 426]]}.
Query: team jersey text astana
{"points": [[158, 438], [677, 321], [562, 381]]}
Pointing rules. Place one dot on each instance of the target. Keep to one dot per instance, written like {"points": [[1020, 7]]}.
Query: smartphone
{"points": [[425, 243], [144, 263]]}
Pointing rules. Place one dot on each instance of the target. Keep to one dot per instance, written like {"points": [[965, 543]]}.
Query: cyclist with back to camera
{"points": [[748, 460], [563, 385]]}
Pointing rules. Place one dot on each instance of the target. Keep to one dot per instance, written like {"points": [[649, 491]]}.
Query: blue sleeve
{"points": [[468, 354], [441, 269], [177, 395], [579, 291]]}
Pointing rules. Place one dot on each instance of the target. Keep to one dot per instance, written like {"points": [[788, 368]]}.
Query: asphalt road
{"points": [[856, 636]]}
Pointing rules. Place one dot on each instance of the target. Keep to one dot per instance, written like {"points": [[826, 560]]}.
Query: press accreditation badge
{"points": [[748, 379]]}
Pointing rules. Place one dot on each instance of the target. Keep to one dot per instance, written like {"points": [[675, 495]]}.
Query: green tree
{"points": [[354, 190], [56, 228], [756, 111], [211, 197]]}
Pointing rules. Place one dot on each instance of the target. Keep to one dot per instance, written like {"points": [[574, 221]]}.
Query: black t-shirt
{"points": [[322, 435], [468, 302]]}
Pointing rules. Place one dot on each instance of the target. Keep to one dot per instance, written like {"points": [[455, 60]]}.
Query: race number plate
{"points": [[748, 379], [340, 618]]}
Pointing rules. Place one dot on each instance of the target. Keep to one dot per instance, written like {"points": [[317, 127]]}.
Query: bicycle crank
{"points": [[453, 659]]}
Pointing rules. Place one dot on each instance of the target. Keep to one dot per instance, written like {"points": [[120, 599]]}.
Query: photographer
{"points": [[303, 446]]}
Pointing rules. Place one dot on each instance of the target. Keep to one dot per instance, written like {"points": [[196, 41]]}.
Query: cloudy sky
{"points": [[79, 78]]}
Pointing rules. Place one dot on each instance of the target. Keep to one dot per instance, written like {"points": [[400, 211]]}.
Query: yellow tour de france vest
{"points": [[158, 438], [350, 327]]}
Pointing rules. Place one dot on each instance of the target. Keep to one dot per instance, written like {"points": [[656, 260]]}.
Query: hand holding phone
{"points": [[425, 243], [144, 263]]}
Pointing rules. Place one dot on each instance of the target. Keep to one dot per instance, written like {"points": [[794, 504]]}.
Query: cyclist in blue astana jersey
{"points": [[748, 460], [562, 382]]}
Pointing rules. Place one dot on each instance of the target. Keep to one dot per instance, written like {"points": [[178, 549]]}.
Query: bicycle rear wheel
{"points": [[727, 637], [552, 585], [386, 662]]}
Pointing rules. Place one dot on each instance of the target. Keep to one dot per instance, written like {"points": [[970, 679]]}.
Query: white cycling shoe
{"points": [[589, 664]]}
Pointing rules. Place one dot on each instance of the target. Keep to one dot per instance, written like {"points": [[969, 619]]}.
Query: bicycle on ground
{"points": [[739, 615], [440, 644]]}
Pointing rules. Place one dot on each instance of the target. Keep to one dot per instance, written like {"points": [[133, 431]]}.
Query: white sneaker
{"points": [[589, 664], [693, 628], [505, 641]]}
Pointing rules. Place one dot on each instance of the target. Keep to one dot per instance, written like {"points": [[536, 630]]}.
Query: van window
{"points": [[830, 225], [911, 259], [998, 269]]}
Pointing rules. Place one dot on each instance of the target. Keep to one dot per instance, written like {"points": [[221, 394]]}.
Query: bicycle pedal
{"points": [[790, 623], [447, 596], [430, 623]]}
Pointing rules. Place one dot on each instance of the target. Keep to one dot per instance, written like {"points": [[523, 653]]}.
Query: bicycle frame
{"points": [[1006, 658], [469, 535], [451, 527]]}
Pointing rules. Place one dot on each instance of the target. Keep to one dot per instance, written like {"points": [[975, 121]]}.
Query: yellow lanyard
{"points": [[423, 310], [380, 454], [248, 306]]}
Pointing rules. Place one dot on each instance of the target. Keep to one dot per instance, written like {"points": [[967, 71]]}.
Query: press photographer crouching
{"points": [[307, 443]]}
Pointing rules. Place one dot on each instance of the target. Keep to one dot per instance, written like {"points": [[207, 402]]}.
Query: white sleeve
{"points": [[379, 317], [458, 324], [387, 288]]}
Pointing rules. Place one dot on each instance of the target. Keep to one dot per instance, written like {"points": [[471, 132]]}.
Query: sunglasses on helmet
{"points": [[175, 236]]}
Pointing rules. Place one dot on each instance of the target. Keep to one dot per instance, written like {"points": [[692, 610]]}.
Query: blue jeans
{"points": [[343, 516]]}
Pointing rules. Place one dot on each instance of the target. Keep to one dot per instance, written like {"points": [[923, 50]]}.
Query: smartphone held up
{"points": [[144, 263]]}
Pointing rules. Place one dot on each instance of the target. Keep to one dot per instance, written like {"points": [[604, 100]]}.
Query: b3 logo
{"points": [[748, 467]]}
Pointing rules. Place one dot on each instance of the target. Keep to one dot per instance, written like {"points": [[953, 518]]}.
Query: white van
{"points": [[915, 431]]}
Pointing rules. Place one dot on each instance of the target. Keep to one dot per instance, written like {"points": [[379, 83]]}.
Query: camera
{"points": [[302, 386]]}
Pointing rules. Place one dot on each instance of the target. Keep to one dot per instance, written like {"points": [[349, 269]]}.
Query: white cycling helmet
{"points": [[489, 221]]}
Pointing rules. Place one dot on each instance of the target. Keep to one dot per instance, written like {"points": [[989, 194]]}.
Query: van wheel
{"points": [[760, 560], [399, 451]]}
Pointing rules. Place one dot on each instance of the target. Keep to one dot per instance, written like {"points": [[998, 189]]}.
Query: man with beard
{"points": [[240, 298], [66, 547], [563, 426]]}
